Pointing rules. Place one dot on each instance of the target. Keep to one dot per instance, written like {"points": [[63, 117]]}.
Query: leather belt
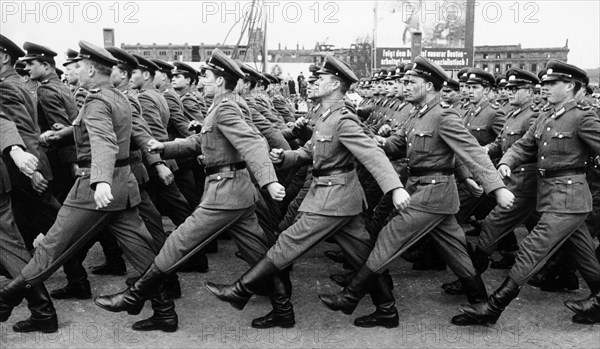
{"points": [[224, 168], [420, 171], [542, 173], [118, 163], [332, 171]]}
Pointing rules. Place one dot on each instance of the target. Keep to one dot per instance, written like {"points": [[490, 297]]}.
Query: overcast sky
{"points": [[61, 24]]}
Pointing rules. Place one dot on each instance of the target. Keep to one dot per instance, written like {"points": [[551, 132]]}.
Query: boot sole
{"points": [[238, 306], [134, 311], [345, 311], [164, 329], [385, 325], [282, 325]]}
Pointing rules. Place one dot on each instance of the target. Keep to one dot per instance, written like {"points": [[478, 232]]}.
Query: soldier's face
{"points": [[137, 79], [517, 95], [558, 91], [449, 95], [502, 93], [210, 82], [476, 92], [179, 82], [116, 76], [310, 90], [399, 88], [464, 90], [415, 89], [71, 73], [389, 87], [325, 85], [36, 69], [537, 97], [83, 72]]}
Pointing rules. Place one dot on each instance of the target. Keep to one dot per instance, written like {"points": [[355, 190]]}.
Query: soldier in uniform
{"points": [[501, 222], [450, 94], [332, 206], [560, 139], [73, 78], [105, 193], [56, 105], [30, 85], [463, 77], [184, 77], [430, 139], [229, 146], [502, 93], [13, 254]]}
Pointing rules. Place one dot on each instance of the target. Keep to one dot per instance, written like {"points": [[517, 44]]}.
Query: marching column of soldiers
{"points": [[126, 140]]}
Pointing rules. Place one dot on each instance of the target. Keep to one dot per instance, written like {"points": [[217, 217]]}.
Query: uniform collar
{"points": [[50, 77], [336, 106], [521, 108], [565, 108], [478, 109]]}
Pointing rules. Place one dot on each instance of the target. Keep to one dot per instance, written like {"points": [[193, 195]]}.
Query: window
{"points": [[208, 53], [508, 66], [509, 55], [497, 68], [485, 56], [146, 53], [522, 65], [534, 67], [485, 67], [242, 52], [178, 53], [227, 52], [497, 56], [162, 53]]}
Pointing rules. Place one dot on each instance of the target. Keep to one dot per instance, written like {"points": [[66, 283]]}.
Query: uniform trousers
{"points": [[13, 254], [553, 231], [411, 225], [25, 202], [76, 227]]}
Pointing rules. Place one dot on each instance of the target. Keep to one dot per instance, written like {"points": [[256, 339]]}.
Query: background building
{"points": [[499, 59]]}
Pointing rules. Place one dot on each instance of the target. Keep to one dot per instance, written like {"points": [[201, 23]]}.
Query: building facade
{"points": [[499, 59]]}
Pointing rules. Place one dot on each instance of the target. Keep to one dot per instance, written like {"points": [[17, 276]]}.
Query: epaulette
{"points": [[444, 105], [547, 108], [495, 105], [44, 81], [535, 108], [344, 111], [582, 106], [94, 90], [2, 79]]}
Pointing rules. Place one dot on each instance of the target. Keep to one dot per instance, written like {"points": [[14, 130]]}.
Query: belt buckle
{"points": [[541, 172]]}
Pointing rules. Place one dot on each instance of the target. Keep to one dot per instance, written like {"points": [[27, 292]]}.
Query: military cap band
{"points": [[95, 53], [557, 70], [336, 67], [13, 50]]}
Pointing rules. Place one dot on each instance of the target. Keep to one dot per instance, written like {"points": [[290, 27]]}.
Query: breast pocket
{"points": [[511, 136], [422, 141], [560, 143], [208, 137], [323, 144], [325, 187]]}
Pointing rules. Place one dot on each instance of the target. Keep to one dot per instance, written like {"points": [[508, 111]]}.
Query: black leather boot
{"points": [[481, 261], [133, 298], [172, 286], [164, 317], [11, 295], [344, 279], [586, 310], [506, 262], [488, 312], [197, 264], [474, 289], [252, 282], [348, 298], [79, 289], [282, 314], [43, 315], [563, 282], [386, 314]]}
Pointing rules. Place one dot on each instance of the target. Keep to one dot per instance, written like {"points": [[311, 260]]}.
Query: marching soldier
{"points": [[73, 78], [229, 146], [560, 139], [450, 94], [430, 139], [105, 193]]}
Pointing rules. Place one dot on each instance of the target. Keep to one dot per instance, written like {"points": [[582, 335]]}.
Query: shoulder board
{"points": [[547, 108], [2, 79], [44, 82], [344, 111], [225, 100], [535, 108], [94, 90], [494, 105], [444, 105], [584, 106]]}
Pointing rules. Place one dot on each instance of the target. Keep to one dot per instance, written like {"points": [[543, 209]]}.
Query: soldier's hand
{"points": [[26, 162], [504, 171], [58, 127], [38, 183], [102, 196], [195, 126], [276, 190], [385, 130], [290, 124], [380, 140], [400, 198], [164, 174], [473, 188], [301, 122], [486, 149], [504, 198], [45, 137], [276, 155], [155, 147]]}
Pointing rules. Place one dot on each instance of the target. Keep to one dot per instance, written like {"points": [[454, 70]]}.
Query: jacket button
{"points": [[542, 158], [219, 177], [433, 181], [522, 169], [410, 144], [560, 136], [548, 129], [569, 182], [478, 128], [421, 134], [546, 143], [328, 183]]}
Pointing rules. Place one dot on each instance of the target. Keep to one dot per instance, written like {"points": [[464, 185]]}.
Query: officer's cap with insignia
{"points": [[313, 69], [163, 66], [221, 64], [186, 70], [451, 84], [12, 49], [426, 69], [561, 71], [390, 74], [398, 72], [38, 52], [480, 77], [71, 55], [462, 74], [519, 77], [251, 73], [375, 76], [382, 74], [500, 80], [272, 78], [20, 68], [95, 53], [145, 64], [336, 67], [125, 60]]}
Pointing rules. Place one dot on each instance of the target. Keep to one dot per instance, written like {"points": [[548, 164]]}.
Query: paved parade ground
{"points": [[534, 320]]}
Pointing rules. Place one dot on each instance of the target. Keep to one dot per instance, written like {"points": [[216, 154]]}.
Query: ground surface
{"points": [[534, 320]]}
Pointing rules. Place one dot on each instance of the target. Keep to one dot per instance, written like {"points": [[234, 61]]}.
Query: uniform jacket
{"points": [[272, 134], [226, 139], [102, 133], [282, 107], [18, 104], [338, 141], [523, 181], [263, 103], [178, 123], [431, 139], [56, 104], [559, 139], [9, 136], [79, 95], [191, 107], [484, 121]]}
